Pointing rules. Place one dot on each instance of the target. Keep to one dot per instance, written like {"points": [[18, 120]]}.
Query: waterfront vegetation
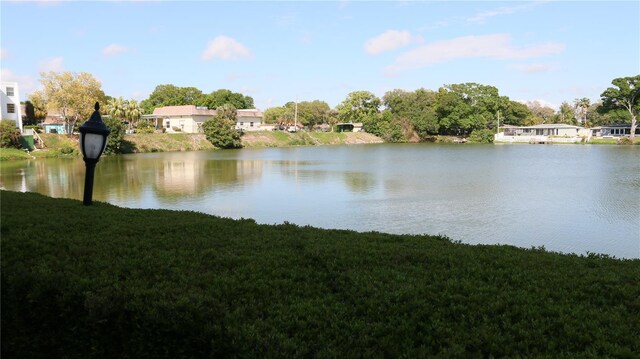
{"points": [[103, 281]]}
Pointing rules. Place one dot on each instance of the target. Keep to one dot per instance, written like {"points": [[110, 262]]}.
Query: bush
{"points": [[145, 126], [221, 133], [481, 136], [9, 134], [626, 140], [116, 137]]}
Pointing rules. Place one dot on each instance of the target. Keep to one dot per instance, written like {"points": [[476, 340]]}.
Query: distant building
{"points": [[617, 130], [545, 133], [10, 102], [189, 118], [249, 120], [349, 127]]}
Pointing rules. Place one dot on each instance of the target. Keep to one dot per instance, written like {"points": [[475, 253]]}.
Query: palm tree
{"points": [[582, 106], [133, 112], [116, 107]]}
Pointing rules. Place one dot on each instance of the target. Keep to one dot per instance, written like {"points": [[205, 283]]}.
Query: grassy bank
{"points": [[102, 281], [62, 145], [285, 139], [160, 142]]}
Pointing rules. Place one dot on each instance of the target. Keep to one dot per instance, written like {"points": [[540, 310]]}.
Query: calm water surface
{"points": [[567, 198]]}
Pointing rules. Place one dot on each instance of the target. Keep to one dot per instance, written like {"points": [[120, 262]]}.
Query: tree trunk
{"points": [[634, 123]]}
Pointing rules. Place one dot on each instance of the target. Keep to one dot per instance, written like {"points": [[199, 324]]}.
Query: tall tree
{"points": [[39, 104], [310, 113], [515, 113], [541, 113], [133, 112], [276, 115], [358, 106], [171, 95], [71, 94], [116, 108], [599, 116], [625, 95], [415, 109], [465, 107], [223, 97], [581, 106], [566, 114]]}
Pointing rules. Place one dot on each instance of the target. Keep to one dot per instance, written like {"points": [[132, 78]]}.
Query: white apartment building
{"points": [[10, 102]]}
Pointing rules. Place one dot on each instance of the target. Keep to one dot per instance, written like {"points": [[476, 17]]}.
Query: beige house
{"points": [[249, 120], [189, 118]]}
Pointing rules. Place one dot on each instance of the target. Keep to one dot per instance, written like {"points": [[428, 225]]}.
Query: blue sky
{"points": [[275, 52]]}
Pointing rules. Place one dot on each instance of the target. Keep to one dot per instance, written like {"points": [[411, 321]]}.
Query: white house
{"points": [[541, 133], [249, 120], [189, 118], [10, 102], [615, 130]]}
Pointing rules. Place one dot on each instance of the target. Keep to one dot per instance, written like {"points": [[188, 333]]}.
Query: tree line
{"points": [[466, 109]]}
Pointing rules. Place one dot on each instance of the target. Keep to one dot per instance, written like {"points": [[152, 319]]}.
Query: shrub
{"points": [[481, 136], [116, 136], [626, 140], [145, 126], [220, 133], [9, 134]]}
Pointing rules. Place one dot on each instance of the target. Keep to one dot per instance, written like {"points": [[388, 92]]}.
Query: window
{"points": [[167, 124], [251, 124], [11, 108], [9, 91], [241, 123]]}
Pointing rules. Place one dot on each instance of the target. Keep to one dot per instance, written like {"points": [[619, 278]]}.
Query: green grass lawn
{"points": [[102, 281], [13, 154]]}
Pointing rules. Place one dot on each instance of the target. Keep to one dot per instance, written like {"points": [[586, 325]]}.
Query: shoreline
{"points": [[59, 146]]}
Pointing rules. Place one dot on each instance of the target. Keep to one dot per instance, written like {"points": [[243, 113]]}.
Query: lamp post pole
{"points": [[93, 141], [88, 181]]}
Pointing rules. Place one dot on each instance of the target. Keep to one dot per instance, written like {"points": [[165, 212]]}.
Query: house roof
{"points": [[615, 125], [192, 110], [186, 110], [554, 125], [253, 112], [52, 121]]}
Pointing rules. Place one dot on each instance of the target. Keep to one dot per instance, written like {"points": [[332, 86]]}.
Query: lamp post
{"points": [[93, 141]]}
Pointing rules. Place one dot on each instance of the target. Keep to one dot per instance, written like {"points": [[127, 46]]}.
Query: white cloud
{"points": [[114, 50], [480, 18], [225, 48], [47, 3], [52, 64], [27, 83], [139, 95], [389, 40], [496, 46], [531, 68]]}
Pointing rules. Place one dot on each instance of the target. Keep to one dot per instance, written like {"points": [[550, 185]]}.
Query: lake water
{"points": [[567, 198]]}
